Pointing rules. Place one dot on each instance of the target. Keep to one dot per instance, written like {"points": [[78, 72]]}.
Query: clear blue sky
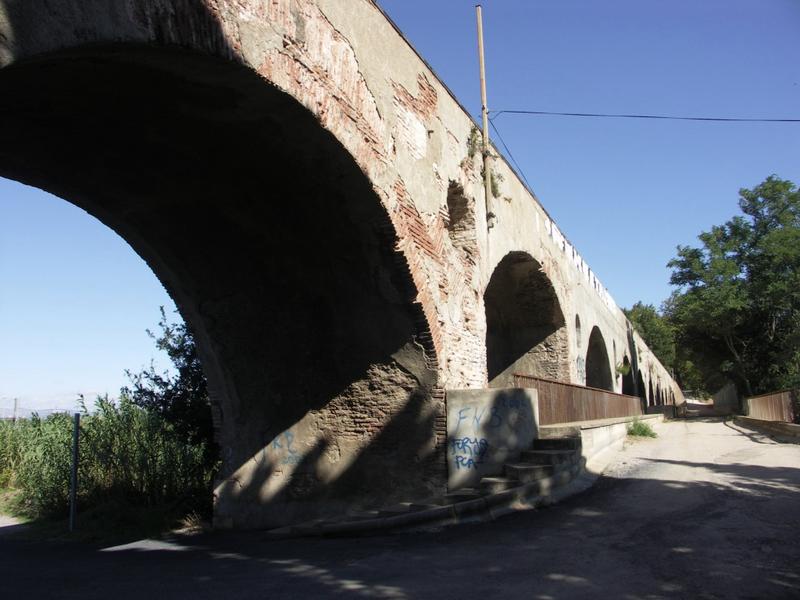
{"points": [[75, 301]]}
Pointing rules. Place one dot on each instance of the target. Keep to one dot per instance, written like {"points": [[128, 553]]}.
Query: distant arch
{"points": [[598, 368], [525, 328], [640, 386], [651, 400], [628, 387], [641, 390]]}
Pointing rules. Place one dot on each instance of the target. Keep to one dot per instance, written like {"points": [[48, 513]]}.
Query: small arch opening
{"points": [[598, 369], [525, 328], [627, 378]]}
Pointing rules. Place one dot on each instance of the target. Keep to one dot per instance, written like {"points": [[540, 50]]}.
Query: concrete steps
{"points": [[553, 461], [494, 485], [548, 457], [526, 472], [460, 495], [560, 443]]}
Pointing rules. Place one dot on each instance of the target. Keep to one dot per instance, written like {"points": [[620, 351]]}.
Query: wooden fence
{"points": [[778, 406], [566, 402]]}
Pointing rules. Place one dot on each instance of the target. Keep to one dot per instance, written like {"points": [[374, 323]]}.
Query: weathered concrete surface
{"points": [[702, 512], [305, 188], [606, 434], [790, 430], [485, 430]]}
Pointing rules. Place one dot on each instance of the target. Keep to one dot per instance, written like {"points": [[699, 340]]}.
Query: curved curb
{"points": [[565, 483], [549, 490]]}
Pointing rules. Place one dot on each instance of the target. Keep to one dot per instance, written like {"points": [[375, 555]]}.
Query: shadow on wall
{"points": [[267, 235], [485, 430]]}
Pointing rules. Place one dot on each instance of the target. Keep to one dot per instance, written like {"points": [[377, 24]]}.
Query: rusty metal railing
{"points": [[561, 402], [777, 406]]}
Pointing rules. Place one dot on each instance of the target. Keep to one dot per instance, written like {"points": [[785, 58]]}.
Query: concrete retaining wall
{"points": [[597, 436], [486, 429], [773, 427]]}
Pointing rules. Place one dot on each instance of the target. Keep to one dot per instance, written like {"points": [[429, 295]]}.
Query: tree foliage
{"points": [[182, 399], [656, 331], [737, 309]]}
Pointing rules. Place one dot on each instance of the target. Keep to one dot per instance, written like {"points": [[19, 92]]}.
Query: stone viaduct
{"points": [[310, 194]]}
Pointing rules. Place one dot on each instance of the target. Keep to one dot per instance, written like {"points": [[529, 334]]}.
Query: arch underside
{"points": [[642, 390], [598, 369], [628, 385], [525, 328], [277, 251]]}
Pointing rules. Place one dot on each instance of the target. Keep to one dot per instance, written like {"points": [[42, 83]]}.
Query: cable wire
{"points": [[511, 156], [497, 113]]}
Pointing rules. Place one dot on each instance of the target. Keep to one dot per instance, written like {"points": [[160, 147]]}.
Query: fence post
{"points": [[73, 491]]}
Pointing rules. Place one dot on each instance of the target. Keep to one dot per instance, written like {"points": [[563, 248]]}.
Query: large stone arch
{"points": [[525, 327], [276, 247], [598, 366]]}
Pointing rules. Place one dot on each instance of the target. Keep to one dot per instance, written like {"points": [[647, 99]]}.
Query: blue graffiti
{"points": [[506, 410], [469, 452], [497, 418], [288, 436], [464, 462], [476, 419], [461, 417]]}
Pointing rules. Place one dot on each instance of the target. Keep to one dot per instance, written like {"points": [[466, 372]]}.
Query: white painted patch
{"points": [[412, 132]]}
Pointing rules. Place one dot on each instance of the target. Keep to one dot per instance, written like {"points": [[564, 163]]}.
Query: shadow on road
{"points": [[630, 537]]}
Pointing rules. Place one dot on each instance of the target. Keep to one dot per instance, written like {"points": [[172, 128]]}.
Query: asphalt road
{"points": [[705, 511]]}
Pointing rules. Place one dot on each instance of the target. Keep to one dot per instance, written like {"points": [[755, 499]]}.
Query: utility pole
{"points": [[487, 167], [16, 407]]}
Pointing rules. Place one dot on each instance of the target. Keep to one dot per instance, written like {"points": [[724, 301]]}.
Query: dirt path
{"points": [[6, 521], [704, 511]]}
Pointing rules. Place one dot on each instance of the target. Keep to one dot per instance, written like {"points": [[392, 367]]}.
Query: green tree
{"points": [[655, 330], [737, 309], [182, 399]]}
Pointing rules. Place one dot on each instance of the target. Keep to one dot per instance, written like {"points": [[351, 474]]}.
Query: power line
{"points": [[497, 113], [511, 156]]}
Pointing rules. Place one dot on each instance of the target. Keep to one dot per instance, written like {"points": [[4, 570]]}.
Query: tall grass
{"points": [[127, 454]]}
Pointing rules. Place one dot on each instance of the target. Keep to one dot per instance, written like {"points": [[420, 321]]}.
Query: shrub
{"points": [[127, 453], [641, 429]]}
